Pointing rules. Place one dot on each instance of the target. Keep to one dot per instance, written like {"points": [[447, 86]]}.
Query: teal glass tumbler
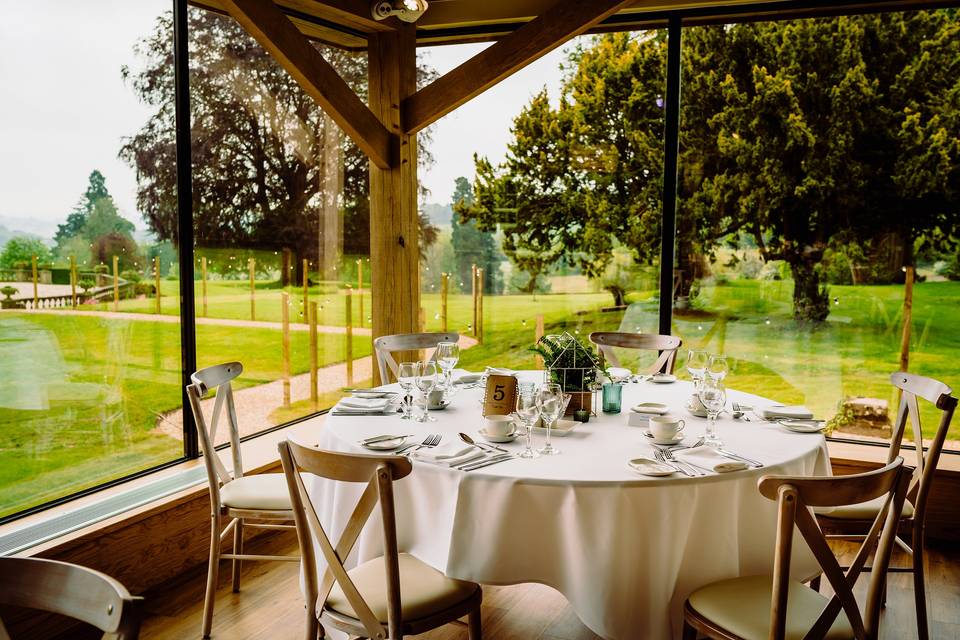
{"points": [[612, 394]]}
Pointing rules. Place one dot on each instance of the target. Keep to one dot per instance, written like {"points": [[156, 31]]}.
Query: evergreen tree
{"points": [[473, 246]]}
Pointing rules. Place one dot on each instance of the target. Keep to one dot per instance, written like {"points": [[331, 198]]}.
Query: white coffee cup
{"points": [[498, 425], [665, 429]]}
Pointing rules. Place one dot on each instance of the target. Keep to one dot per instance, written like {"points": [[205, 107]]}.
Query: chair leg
{"points": [[815, 584], [474, 630], [212, 575], [314, 628], [237, 548], [689, 633], [919, 588]]}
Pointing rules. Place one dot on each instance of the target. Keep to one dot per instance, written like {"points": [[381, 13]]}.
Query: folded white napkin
{"points": [[364, 403], [707, 458], [451, 454], [795, 411]]}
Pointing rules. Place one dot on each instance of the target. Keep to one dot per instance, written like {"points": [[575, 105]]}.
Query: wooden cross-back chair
{"points": [[666, 345], [849, 522], [776, 607], [257, 501], [73, 591], [391, 596], [386, 346]]}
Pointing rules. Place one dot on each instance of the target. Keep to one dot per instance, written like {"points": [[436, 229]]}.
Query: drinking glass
{"points": [[713, 396], [612, 394], [426, 381], [528, 412], [550, 403], [448, 354], [696, 365], [407, 377], [718, 368]]}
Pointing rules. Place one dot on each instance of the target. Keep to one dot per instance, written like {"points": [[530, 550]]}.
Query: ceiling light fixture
{"points": [[406, 10]]}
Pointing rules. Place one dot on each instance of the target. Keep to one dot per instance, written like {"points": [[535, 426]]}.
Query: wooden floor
{"points": [[270, 605]]}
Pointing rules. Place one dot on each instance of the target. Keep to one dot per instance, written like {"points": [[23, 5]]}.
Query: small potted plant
{"points": [[574, 366]]}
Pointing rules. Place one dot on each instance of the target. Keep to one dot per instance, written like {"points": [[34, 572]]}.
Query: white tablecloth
{"points": [[625, 550]]}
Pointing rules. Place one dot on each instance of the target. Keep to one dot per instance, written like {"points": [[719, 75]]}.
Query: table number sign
{"points": [[500, 396]]}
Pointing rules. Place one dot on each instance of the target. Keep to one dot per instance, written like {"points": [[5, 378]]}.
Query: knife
{"points": [[735, 456], [486, 462], [384, 438]]}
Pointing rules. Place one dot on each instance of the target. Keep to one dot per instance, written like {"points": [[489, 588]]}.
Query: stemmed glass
{"points": [[713, 396], [448, 354], [426, 381], [696, 365], [407, 377], [551, 404], [718, 368], [528, 411]]}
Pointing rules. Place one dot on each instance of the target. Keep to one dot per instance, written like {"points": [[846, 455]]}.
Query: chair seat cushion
{"points": [[742, 607], [423, 589], [862, 511], [266, 491]]}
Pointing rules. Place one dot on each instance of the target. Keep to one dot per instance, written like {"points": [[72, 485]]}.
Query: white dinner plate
{"points": [[647, 467], [663, 378], [803, 426], [371, 394], [386, 445], [651, 408], [489, 437]]}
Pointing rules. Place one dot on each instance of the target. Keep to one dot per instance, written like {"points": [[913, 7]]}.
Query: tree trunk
{"points": [[619, 295], [531, 285], [811, 301]]}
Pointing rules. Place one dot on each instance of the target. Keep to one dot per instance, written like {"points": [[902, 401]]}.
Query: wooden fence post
{"points": [[480, 305], [116, 283], [537, 336], [306, 291], [907, 319], [349, 346], [360, 287], [203, 284], [156, 280], [252, 262], [73, 281], [285, 346], [473, 290], [314, 389], [36, 292], [444, 287]]}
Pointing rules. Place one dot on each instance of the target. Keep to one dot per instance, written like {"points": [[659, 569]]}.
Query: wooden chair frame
{"points": [[911, 387], [668, 346], [385, 346], [796, 497], [379, 473], [219, 377], [73, 591]]}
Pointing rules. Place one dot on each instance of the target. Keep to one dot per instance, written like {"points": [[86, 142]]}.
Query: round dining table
{"points": [[624, 549]]}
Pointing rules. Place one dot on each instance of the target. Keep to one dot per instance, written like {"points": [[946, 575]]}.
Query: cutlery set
{"points": [[493, 453]]}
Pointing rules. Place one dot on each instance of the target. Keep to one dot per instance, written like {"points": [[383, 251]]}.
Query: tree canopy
{"points": [[93, 219]]}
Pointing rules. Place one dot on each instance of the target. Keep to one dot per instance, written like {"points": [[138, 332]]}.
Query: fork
{"points": [[431, 440], [668, 454], [676, 467]]}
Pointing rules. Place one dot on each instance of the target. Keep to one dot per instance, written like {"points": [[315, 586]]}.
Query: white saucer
{"points": [[663, 378], [803, 426], [677, 439], [510, 437], [386, 445], [647, 467], [654, 408]]}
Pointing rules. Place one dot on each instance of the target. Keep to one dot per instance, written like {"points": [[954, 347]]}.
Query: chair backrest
{"points": [[666, 345], [795, 497], [70, 590], [378, 472], [385, 346], [217, 377], [911, 387]]}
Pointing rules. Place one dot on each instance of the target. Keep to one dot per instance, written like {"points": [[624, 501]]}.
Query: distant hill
{"points": [[7, 233], [439, 214]]}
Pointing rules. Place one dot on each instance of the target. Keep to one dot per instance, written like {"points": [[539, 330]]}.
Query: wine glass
{"points": [[426, 381], [713, 396], [528, 411], [718, 368], [696, 364], [448, 354], [550, 402], [407, 377]]}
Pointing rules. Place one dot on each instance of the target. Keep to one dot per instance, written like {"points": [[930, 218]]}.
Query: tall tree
{"points": [[95, 195], [472, 245]]}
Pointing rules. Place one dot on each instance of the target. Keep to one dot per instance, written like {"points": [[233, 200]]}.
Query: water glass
{"points": [[426, 381], [447, 356], [551, 404], [612, 395], [697, 364], [407, 377], [718, 367], [713, 396], [528, 412]]}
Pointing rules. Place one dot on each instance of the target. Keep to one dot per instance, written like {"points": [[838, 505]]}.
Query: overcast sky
{"points": [[64, 109]]}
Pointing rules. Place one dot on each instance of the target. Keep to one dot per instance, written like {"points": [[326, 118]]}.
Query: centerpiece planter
{"points": [[574, 366]]}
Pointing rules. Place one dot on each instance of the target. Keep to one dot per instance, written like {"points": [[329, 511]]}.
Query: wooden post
{"points": [[252, 263], [473, 291], [156, 281], [306, 291], [314, 389], [444, 288], [36, 292], [394, 220], [73, 281], [116, 283], [537, 335], [422, 323], [285, 346], [203, 284], [360, 287], [349, 345], [907, 319], [480, 305]]}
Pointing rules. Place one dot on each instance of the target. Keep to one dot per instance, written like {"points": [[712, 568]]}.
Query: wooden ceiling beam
{"points": [[275, 33], [566, 19], [353, 13]]}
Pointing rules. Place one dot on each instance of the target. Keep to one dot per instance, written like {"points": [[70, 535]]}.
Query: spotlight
{"points": [[406, 10]]}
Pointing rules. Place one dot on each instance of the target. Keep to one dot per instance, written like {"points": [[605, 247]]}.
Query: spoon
{"points": [[467, 439]]}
